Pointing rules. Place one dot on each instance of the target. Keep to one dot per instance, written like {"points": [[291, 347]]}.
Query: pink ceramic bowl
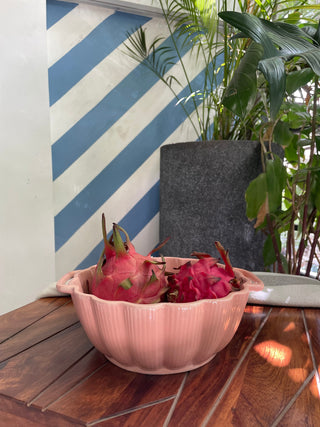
{"points": [[163, 338]]}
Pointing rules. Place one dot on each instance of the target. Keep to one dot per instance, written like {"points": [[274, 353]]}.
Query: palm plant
{"points": [[198, 35]]}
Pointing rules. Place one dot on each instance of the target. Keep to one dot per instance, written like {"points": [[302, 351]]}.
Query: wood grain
{"points": [[17, 414], [271, 375], [305, 410], [313, 324], [154, 415], [18, 319], [26, 375], [204, 384], [38, 331], [112, 390], [71, 378], [47, 325], [10, 420]]}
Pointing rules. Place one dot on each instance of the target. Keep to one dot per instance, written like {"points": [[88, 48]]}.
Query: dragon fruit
{"points": [[122, 274], [203, 279]]}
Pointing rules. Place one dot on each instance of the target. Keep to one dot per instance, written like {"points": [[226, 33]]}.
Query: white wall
{"points": [[26, 208]]}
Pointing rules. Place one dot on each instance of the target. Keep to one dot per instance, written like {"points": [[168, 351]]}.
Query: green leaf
{"points": [[290, 39], [296, 79], [272, 65], [316, 190], [316, 36], [282, 134], [256, 195], [252, 27], [276, 179], [269, 254], [264, 193], [312, 57], [298, 119], [274, 72], [293, 18], [240, 94], [280, 41], [290, 151]]}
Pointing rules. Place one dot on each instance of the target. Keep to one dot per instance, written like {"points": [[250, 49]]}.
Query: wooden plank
{"points": [[204, 384], [45, 327], [112, 390], [77, 373], [15, 420], [313, 325], [267, 380], [24, 376], [15, 414], [151, 416], [305, 411], [16, 320]]}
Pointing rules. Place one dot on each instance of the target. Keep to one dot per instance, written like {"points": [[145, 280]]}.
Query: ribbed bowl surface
{"points": [[161, 338]]}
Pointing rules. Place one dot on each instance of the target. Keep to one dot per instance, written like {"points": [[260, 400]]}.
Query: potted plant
{"points": [[284, 199], [202, 185]]}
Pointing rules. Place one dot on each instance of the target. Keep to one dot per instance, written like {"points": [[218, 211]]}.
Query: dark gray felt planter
{"points": [[202, 199]]}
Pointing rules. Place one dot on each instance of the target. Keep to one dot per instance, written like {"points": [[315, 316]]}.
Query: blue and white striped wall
{"points": [[109, 116]]}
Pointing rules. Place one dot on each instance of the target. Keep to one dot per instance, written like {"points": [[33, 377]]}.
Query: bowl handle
{"points": [[65, 284], [254, 283]]}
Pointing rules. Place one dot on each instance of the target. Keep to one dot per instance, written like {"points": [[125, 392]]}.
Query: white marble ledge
{"points": [[286, 290]]}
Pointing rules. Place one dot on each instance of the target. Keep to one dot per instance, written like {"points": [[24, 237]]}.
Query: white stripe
{"points": [[97, 157], [112, 142], [85, 239], [89, 235], [95, 85], [72, 29], [148, 237]]}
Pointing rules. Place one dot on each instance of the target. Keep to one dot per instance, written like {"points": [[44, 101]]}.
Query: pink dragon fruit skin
{"points": [[203, 280], [122, 274]]}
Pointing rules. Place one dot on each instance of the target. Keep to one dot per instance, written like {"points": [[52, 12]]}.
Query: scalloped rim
{"points": [[252, 283]]}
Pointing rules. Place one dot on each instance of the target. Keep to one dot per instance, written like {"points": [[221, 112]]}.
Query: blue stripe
{"points": [[96, 122], [135, 220], [72, 67], [57, 10], [79, 210]]}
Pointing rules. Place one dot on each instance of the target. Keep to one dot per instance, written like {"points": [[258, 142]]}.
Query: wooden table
{"points": [[51, 375]]}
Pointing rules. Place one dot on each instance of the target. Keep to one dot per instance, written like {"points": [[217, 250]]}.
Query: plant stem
{"points": [[275, 244], [290, 243], [302, 244], [313, 246]]}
